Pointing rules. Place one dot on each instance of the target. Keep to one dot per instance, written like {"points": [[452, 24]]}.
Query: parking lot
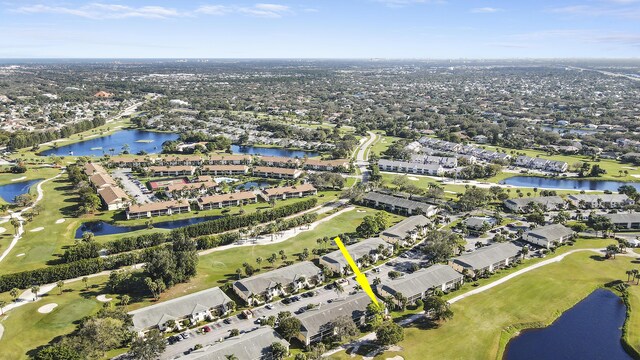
{"points": [[134, 187]]}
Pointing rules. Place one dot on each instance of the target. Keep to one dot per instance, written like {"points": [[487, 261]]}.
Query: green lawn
{"points": [[219, 267], [611, 166], [26, 329], [39, 246], [483, 323], [382, 143], [451, 190]]}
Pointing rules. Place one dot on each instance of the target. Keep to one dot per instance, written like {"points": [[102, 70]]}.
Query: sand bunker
{"points": [[2, 229], [37, 229], [60, 221], [413, 178], [103, 298], [47, 308], [20, 178]]}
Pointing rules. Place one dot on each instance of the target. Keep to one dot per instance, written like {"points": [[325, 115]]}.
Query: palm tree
{"points": [[629, 273], [60, 285], [612, 250], [339, 289], [231, 357], [85, 280], [2, 305], [14, 294], [34, 290], [15, 223], [239, 273], [259, 261], [124, 300]]}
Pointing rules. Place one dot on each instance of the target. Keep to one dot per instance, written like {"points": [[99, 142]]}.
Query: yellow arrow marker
{"points": [[360, 277]]}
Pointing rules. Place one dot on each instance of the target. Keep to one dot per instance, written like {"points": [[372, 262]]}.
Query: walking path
{"points": [[372, 336], [286, 235], [28, 297], [18, 215]]}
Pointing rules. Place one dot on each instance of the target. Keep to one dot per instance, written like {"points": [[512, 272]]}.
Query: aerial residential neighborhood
{"points": [[377, 179]]}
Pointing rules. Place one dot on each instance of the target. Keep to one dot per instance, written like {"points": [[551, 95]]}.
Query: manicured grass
{"points": [[611, 166], [382, 143], [539, 296], [38, 247], [26, 329]]}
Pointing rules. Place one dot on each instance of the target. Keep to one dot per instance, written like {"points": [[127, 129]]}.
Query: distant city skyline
{"points": [[431, 29]]}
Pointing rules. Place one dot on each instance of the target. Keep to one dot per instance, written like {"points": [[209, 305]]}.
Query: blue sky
{"points": [[319, 29]]}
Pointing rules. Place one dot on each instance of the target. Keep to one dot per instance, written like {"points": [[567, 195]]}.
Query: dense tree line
{"points": [[89, 249], [51, 274], [94, 336], [23, 139]]}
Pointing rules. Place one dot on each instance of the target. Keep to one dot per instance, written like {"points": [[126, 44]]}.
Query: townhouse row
{"points": [[219, 201], [337, 165], [111, 195]]}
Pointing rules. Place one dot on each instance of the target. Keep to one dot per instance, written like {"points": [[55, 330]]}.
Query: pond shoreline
{"points": [[513, 331]]}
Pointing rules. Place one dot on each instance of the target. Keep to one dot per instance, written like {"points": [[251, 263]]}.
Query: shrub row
{"points": [[227, 223]]}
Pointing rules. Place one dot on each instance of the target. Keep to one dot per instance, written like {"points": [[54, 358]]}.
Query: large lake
{"points": [[568, 184], [589, 330], [138, 140], [151, 143], [99, 228], [9, 191]]}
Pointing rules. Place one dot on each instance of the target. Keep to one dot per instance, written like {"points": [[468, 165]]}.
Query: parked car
{"points": [[206, 329], [227, 321], [184, 335], [269, 306]]}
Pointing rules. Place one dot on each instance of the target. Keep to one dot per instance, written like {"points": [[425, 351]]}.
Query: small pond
{"points": [[256, 150], [589, 330], [567, 184], [8, 192], [99, 228], [252, 185]]}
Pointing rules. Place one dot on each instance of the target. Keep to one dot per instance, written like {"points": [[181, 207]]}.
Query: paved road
{"points": [[362, 157]]}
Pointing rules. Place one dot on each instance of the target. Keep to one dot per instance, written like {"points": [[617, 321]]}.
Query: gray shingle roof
{"points": [[548, 201], [404, 227], [550, 232], [153, 315], [421, 280], [354, 306], [356, 250], [488, 255], [397, 202], [285, 276], [602, 197], [624, 218], [253, 345]]}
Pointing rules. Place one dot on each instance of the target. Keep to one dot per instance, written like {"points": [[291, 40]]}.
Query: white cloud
{"points": [[614, 8], [103, 11], [403, 3], [265, 10], [214, 10], [485, 10]]}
